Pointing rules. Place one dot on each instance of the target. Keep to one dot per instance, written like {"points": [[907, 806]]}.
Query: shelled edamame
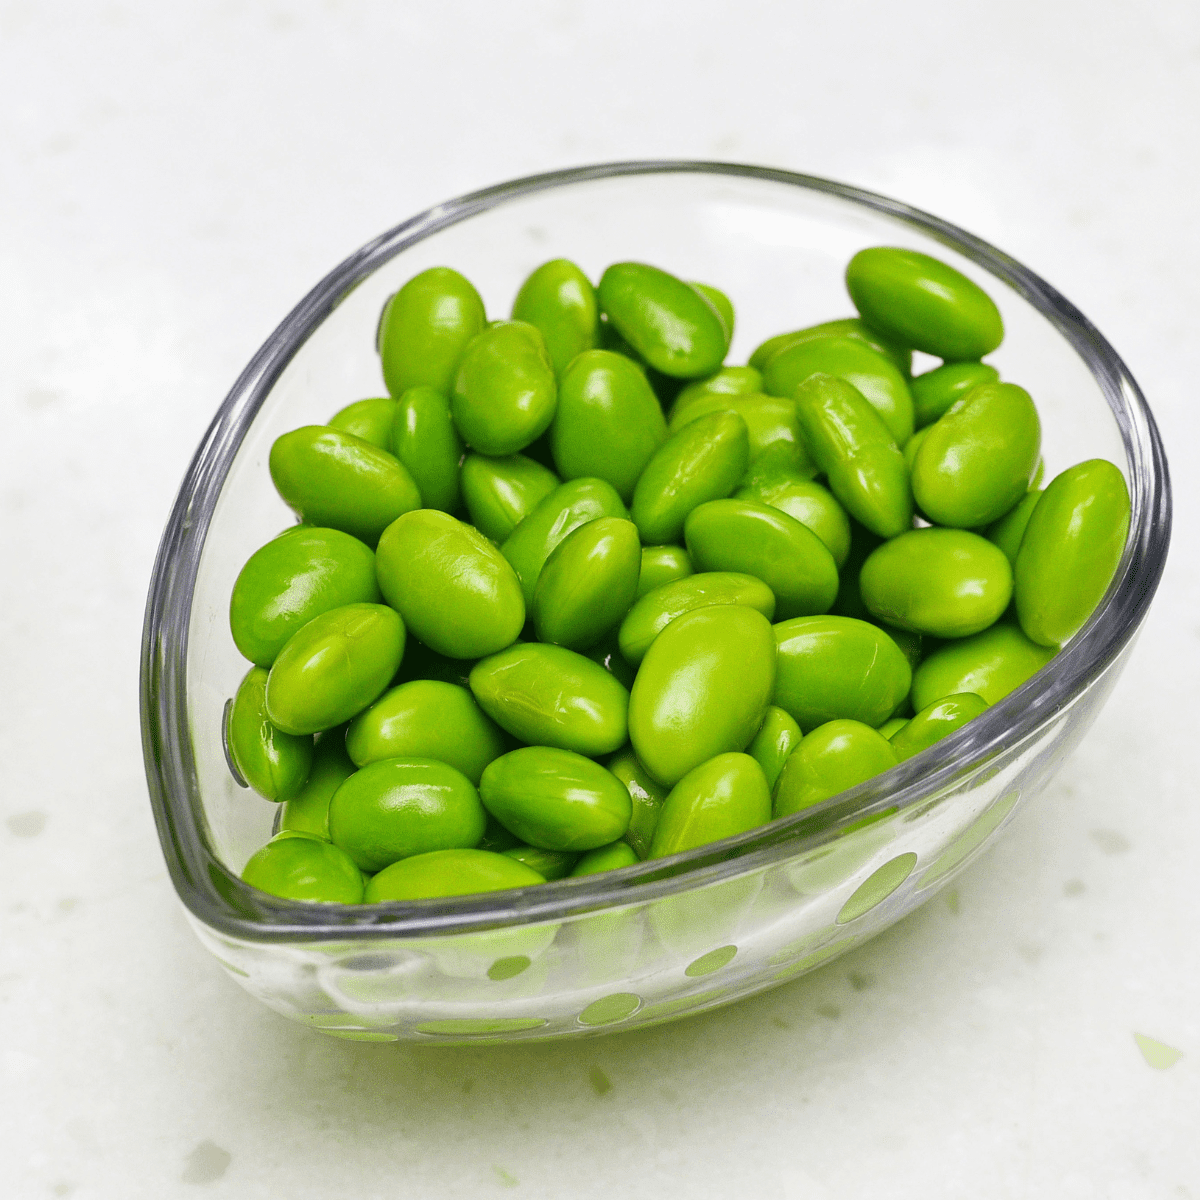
{"points": [[578, 593]]}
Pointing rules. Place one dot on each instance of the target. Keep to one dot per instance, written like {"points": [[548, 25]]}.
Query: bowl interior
{"points": [[776, 244]]}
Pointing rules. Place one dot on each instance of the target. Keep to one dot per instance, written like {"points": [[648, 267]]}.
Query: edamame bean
{"points": [[297, 576], [770, 423], [558, 298], [935, 722], [425, 440], [1008, 532], [504, 392], [833, 668], [566, 508], [873, 375], [553, 697], [834, 757], [299, 867], [845, 327], [977, 461], [811, 504], [660, 565], [588, 583], [728, 381], [991, 664], [945, 582], [609, 422], [777, 463], [501, 492], [892, 727], [647, 797], [656, 610], [922, 302], [333, 667], [851, 444], [336, 480], [426, 718], [750, 538], [612, 857], [556, 799], [702, 462], [936, 392], [308, 810], [1070, 550], [671, 325], [275, 764], [424, 329], [765, 351], [778, 736], [720, 798], [370, 420], [454, 589], [399, 807], [549, 864], [722, 304], [702, 689], [449, 873]]}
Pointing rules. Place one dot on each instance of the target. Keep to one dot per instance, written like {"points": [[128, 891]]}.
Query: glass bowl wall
{"points": [[662, 939]]}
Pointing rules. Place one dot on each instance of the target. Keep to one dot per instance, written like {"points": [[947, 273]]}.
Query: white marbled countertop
{"points": [[174, 179]]}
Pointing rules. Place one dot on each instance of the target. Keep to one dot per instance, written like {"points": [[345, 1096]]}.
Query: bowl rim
{"points": [[219, 899]]}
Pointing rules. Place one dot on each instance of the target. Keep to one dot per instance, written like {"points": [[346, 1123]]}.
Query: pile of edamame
{"points": [[577, 594]]}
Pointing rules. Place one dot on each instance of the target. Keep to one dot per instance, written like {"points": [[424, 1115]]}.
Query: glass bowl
{"points": [[662, 939]]}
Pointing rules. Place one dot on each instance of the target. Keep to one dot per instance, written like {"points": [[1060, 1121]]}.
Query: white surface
{"points": [[175, 177]]}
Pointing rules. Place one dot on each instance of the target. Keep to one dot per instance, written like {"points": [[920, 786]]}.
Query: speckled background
{"points": [[172, 179]]}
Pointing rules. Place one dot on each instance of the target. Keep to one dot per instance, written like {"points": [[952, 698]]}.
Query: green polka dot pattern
{"points": [[507, 968], [877, 887], [610, 1009], [714, 960]]}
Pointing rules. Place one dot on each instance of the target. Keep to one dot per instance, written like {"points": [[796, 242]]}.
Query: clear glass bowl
{"points": [[659, 940]]}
